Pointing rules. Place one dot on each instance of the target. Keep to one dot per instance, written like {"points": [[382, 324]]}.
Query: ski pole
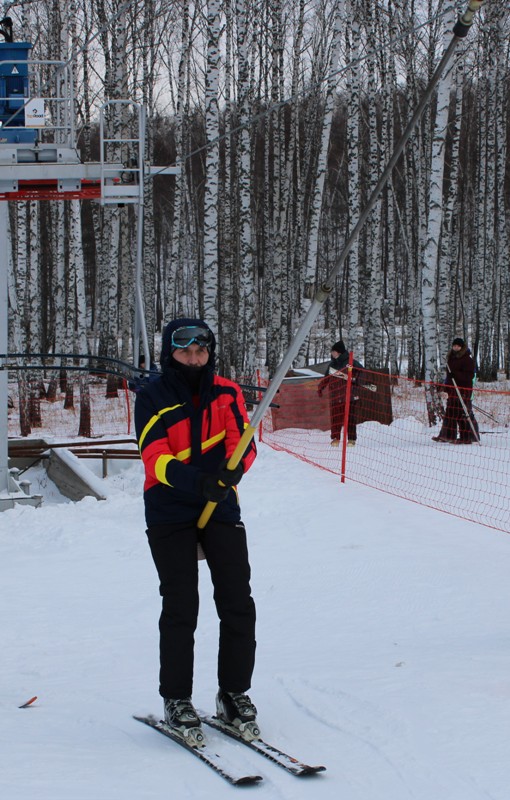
{"points": [[460, 30], [486, 414], [347, 412]]}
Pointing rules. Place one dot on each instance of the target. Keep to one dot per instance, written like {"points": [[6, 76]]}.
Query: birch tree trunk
{"points": [[180, 296], [116, 88], [16, 329], [229, 330], [489, 262], [449, 245], [429, 275], [413, 207], [373, 232], [498, 15], [26, 332], [248, 287], [34, 338], [311, 271], [211, 199], [276, 304], [353, 171], [149, 59], [80, 333]]}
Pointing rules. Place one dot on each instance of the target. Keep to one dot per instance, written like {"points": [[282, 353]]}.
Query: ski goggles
{"points": [[191, 334]]}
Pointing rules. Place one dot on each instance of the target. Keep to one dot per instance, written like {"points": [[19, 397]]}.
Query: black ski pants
{"points": [[174, 550], [337, 415]]}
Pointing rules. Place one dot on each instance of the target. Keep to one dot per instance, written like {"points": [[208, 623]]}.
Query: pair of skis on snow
{"points": [[230, 772]]}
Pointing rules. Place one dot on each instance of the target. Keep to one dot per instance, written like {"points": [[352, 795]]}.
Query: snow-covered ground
{"points": [[383, 646]]}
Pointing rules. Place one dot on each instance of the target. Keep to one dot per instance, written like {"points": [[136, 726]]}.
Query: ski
{"points": [[274, 754], [205, 753]]}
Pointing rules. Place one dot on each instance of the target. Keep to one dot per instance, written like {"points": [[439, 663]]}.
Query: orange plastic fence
{"points": [[394, 449]]}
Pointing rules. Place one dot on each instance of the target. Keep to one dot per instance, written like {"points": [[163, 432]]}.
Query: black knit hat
{"points": [[459, 341], [339, 347]]}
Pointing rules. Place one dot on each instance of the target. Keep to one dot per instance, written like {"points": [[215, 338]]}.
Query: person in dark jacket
{"points": [[144, 376], [188, 424], [459, 417], [335, 381]]}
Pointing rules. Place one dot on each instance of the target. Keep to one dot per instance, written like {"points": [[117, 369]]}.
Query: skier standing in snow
{"points": [[460, 374], [188, 424], [335, 381]]}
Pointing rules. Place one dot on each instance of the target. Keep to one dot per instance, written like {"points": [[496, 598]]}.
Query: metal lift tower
{"points": [[39, 160]]}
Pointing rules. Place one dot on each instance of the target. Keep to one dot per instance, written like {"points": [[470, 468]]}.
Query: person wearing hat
{"points": [[335, 381], [188, 424], [143, 376], [459, 417]]}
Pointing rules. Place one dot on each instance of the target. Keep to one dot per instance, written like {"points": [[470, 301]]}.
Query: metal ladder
{"points": [[129, 150]]}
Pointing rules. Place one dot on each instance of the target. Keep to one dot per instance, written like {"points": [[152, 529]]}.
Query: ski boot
{"points": [[182, 718], [237, 710]]}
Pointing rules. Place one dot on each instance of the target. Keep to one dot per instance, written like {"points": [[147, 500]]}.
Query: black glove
{"points": [[230, 477], [210, 488]]}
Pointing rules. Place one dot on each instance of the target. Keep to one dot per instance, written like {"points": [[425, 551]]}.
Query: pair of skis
{"points": [[230, 772]]}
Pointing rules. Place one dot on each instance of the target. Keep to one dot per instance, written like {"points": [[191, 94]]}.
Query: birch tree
{"points": [[432, 257], [180, 280], [274, 209], [372, 267], [114, 39], [211, 198], [414, 204], [149, 61], [488, 264], [353, 142], [248, 288], [447, 307], [311, 271], [429, 266]]}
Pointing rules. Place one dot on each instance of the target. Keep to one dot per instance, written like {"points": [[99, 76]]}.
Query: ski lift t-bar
{"points": [[460, 30]]}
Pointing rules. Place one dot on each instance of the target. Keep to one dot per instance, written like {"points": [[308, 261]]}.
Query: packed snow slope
{"points": [[383, 646]]}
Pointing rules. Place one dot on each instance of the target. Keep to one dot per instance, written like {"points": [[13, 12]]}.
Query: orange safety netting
{"points": [[394, 449]]}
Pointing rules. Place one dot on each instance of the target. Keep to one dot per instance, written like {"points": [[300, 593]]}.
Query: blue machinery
{"points": [[14, 87], [39, 160], [14, 90]]}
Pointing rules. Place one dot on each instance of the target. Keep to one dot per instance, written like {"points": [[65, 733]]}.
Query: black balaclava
{"points": [[191, 374]]}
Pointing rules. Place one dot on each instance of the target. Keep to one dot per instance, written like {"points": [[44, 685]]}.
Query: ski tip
{"points": [[29, 702], [307, 770], [247, 780]]}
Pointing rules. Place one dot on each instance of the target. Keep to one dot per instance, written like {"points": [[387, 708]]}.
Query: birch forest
{"points": [[281, 117]]}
